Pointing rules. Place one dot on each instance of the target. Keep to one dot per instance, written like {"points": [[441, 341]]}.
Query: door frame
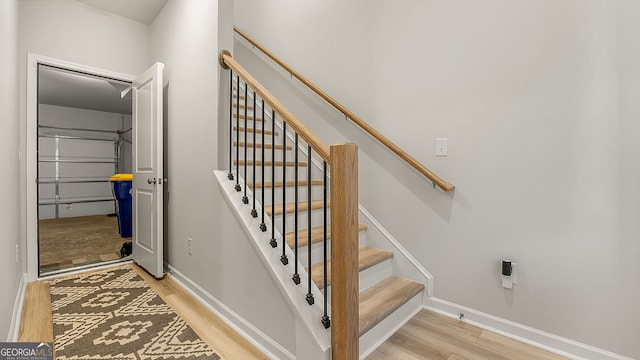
{"points": [[31, 154]]}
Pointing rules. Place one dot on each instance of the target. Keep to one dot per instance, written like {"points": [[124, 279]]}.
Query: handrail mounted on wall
{"points": [[437, 181]]}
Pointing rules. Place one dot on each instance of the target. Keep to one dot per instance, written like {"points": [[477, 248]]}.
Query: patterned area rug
{"points": [[114, 314]]}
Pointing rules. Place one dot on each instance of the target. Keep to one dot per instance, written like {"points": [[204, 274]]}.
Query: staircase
{"points": [[283, 184]]}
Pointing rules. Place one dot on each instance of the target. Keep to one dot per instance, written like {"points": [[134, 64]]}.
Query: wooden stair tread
{"points": [[383, 298], [250, 130], [317, 235], [266, 146], [242, 106], [236, 96], [290, 183], [268, 163], [249, 117], [367, 257], [290, 207]]}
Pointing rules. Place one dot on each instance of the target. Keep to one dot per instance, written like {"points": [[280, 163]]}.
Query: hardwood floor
{"points": [[69, 242], [427, 336], [37, 323], [207, 325], [432, 336]]}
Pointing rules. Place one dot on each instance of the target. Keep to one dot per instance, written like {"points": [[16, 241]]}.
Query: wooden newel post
{"points": [[344, 252]]}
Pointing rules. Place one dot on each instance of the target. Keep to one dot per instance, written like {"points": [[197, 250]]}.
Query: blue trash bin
{"points": [[121, 190]]}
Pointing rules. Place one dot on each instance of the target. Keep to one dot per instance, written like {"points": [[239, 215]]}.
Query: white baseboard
{"points": [[262, 341], [528, 335], [16, 317]]}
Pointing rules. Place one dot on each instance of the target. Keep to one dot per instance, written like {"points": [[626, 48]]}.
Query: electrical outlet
{"points": [[69, 207], [189, 243], [17, 254]]}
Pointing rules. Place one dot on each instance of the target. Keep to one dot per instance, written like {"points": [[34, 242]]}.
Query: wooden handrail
{"points": [[227, 61], [444, 185]]}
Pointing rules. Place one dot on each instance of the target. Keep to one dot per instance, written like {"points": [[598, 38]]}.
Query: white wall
{"points": [[71, 31], [624, 22], [10, 267], [186, 37], [538, 100], [89, 150]]}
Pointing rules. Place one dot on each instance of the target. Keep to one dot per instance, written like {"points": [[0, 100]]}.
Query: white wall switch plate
{"points": [[442, 146]]}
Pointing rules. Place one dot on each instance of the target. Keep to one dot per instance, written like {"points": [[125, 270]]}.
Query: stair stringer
{"points": [[313, 341]]}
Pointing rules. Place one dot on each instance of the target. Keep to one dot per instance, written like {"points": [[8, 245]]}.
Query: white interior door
{"points": [[148, 181]]}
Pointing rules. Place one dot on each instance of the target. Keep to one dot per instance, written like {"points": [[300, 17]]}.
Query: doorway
{"points": [[83, 138], [144, 134]]}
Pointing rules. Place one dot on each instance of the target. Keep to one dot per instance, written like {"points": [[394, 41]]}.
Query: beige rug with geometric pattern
{"points": [[114, 314]]}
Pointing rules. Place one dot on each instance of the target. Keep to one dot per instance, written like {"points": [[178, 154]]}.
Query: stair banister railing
{"points": [[437, 181], [343, 159], [227, 61]]}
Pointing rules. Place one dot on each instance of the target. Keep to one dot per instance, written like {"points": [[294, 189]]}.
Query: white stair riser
{"points": [[250, 125], [371, 276], [267, 140], [317, 216], [316, 194], [302, 172], [316, 253], [279, 139], [384, 329], [267, 153], [317, 249], [316, 220]]}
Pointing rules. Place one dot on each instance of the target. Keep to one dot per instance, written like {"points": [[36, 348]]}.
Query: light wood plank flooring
{"points": [[75, 241], [427, 336], [37, 324], [432, 336]]}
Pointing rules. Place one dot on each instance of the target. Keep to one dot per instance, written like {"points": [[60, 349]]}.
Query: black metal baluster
{"points": [[273, 241], [296, 276], [254, 212], [230, 174], [325, 318], [283, 257], [238, 188], [309, 296], [245, 199], [263, 226]]}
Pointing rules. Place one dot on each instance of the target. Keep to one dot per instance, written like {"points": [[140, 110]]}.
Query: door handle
{"points": [[151, 180]]}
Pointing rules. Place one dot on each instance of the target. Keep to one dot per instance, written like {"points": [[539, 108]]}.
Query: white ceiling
{"points": [[144, 11], [71, 89]]}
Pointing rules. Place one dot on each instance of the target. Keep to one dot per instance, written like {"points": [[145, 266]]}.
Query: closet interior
{"points": [[84, 137]]}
